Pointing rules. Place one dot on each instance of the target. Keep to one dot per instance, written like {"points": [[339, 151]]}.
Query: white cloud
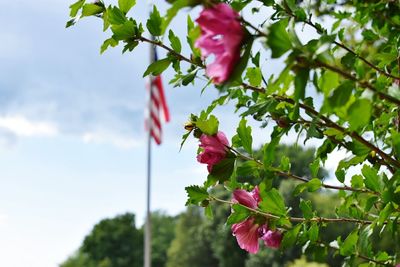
{"points": [[22, 126], [117, 140]]}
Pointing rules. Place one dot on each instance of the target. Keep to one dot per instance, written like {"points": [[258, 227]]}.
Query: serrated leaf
{"points": [[196, 194], [124, 31], [254, 76], [248, 168], [306, 209], [364, 241], [208, 212], [359, 114], [341, 95], [208, 126], [313, 185], [109, 42], [91, 9], [357, 181], [154, 23], [347, 248], [75, 7], [273, 203], [285, 164], [278, 39], [290, 237], [300, 83], [385, 213], [175, 42], [126, 5], [371, 180], [184, 138], [115, 16], [244, 133], [157, 67], [313, 232], [223, 170], [239, 214]]}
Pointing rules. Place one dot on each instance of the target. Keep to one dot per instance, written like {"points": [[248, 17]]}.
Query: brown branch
{"points": [[305, 107], [343, 46], [364, 84], [336, 126], [297, 219], [302, 179]]}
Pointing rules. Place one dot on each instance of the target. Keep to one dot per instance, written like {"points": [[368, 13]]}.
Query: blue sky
{"points": [[72, 141]]}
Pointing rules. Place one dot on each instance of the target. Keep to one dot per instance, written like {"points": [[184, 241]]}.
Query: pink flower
{"points": [[247, 235], [221, 35], [214, 149], [248, 232], [272, 239]]}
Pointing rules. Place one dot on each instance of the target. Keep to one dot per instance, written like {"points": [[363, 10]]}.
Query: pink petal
{"points": [[272, 239], [246, 234], [245, 198]]}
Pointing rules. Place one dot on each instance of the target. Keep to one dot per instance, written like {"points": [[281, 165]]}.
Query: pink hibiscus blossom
{"points": [[248, 232], [214, 149], [221, 35]]}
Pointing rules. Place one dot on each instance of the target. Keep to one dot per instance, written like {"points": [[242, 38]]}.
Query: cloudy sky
{"points": [[72, 141]]}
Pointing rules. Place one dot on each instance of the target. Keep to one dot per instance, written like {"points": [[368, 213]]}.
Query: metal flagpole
{"points": [[147, 235]]}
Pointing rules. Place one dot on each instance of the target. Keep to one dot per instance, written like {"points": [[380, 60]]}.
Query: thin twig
{"points": [[302, 179]]}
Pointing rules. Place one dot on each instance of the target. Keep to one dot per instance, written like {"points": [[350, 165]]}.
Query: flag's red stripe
{"points": [[159, 86]]}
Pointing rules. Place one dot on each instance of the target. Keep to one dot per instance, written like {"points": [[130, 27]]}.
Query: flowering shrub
{"points": [[338, 87]]}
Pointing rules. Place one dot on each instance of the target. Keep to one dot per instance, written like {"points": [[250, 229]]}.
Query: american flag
{"points": [[157, 105]]}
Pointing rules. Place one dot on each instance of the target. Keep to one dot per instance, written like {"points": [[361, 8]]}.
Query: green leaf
{"points": [[126, 5], [174, 9], [236, 75], [278, 39], [239, 214], [313, 232], [285, 164], [254, 76], [300, 188], [364, 241], [371, 178], [357, 181], [273, 203], [196, 195], [124, 31], [244, 133], [157, 67], [154, 23], [115, 16], [208, 212], [349, 244], [208, 126], [91, 9], [314, 167], [341, 94], [314, 185], [359, 114], [306, 209], [290, 237], [223, 170], [248, 168], [109, 42], [385, 213], [300, 83], [184, 138], [175, 42], [75, 7]]}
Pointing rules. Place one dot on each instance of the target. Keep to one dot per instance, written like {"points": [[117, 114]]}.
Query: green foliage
{"points": [[350, 70]]}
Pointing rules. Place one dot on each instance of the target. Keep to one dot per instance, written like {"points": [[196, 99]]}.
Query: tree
{"points": [[339, 87], [116, 242]]}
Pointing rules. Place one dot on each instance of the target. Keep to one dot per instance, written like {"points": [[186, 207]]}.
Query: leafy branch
{"points": [[302, 179]]}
